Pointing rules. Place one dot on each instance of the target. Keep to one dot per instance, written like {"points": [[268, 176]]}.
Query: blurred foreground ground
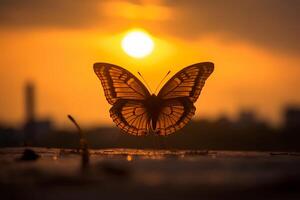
{"points": [[149, 174]]}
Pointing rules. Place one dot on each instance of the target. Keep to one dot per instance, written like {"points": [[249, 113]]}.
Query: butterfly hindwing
{"points": [[174, 115], [188, 82], [118, 83], [131, 116]]}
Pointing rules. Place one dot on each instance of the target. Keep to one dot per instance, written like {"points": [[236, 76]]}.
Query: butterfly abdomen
{"points": [[153, 106]]}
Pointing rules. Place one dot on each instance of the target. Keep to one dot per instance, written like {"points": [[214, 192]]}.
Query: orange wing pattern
{"points": [[175, 114], [188, 82], [118, 83], [131, 117]]}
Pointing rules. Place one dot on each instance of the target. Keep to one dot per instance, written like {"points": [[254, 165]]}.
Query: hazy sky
{"points": [[54, 43]]}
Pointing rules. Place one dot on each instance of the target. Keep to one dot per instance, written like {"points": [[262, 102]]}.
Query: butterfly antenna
{"points": [[162, 80], [145, 81]]}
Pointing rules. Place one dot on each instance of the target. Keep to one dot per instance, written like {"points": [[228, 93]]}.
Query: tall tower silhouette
{"points": [[30, 102], [29, 128]]}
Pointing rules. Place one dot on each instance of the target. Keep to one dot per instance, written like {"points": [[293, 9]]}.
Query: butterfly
{"points": [[137, 112]]}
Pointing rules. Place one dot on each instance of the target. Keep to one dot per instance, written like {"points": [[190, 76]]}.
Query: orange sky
{"points": [[249, 74]]}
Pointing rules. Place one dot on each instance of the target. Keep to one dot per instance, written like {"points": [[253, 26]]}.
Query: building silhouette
{"points": [[29, 126], [292, 119], [34, 128]]}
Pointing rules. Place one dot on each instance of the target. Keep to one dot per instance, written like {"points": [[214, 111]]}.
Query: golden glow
{"points": [[265, 88], [130, 10], [137, 44], [129, 158]]}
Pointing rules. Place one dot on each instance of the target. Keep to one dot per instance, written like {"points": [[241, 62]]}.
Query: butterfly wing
{"points": [[174, 115], [118, 83], [188, 82], [131, 116], [178, 96], [126, 93]]}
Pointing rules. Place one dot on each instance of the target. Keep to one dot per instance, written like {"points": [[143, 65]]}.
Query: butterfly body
{"points": [[153, 105], [137, 112]]}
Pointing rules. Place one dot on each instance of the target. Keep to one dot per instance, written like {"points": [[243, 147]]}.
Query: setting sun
{"points": [[137, 44]]}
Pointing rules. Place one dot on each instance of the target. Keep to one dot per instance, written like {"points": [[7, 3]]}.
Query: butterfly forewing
{"points": [[174, 115], [131, 116], [118, 83], [188, 82]]}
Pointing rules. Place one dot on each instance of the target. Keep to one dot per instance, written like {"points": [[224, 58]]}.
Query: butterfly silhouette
{"points": [[137, 112]]}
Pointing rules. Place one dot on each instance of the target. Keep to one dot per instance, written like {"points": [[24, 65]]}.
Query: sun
{"points": [[137, 43]]}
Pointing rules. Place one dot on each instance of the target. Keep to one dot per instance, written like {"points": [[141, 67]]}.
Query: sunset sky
{"points": [[254, 44]]}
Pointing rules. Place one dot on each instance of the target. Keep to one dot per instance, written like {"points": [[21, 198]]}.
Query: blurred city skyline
{"points": [[246, 132]]}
